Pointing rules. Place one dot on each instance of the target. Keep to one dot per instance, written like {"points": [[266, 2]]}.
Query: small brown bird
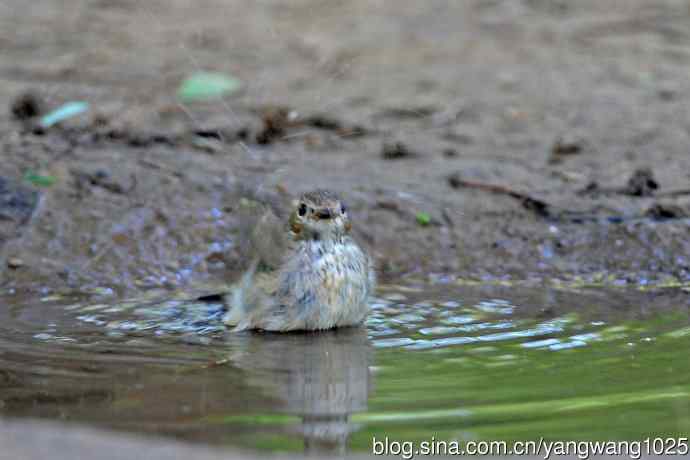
{"points": [[324, 281]]}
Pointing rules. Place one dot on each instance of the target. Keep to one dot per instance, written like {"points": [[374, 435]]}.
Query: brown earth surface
{"points": [[483, 139]]}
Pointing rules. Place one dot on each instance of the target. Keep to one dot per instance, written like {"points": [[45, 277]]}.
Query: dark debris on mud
{"points": [[443, 249], [447, 168]]}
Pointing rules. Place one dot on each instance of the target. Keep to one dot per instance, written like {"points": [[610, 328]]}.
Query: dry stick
{"points": [[673, 193], [540, 207], [624, 191]]}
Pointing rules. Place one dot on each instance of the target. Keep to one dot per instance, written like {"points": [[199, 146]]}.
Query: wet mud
{"points": [[484, 140]]}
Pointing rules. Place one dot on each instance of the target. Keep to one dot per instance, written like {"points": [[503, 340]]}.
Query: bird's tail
{"points": [[236, 299]]}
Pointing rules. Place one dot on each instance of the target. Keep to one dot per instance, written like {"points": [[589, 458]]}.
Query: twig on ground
{"points": [[673, 193], [539, 207]]}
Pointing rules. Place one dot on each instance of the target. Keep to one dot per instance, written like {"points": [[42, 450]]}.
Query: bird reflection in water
{"points": [[322, 377]]}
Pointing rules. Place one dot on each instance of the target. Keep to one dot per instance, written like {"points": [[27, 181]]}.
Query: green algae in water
{"points": [[608, 390], [614, 388], [478, 368]]}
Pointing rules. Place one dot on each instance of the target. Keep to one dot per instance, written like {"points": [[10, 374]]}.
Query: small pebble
{"points": [[396, 150], [27, 105], [396, 297], [15, 262]]}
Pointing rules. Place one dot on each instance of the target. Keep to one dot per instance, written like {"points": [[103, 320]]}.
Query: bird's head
{"points": [[319, 215]]}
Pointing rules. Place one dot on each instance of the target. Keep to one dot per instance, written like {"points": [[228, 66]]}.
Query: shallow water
{"points": [[441, 361]]}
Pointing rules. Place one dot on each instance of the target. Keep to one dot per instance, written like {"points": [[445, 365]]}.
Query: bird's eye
{"points": [[302, 210]]}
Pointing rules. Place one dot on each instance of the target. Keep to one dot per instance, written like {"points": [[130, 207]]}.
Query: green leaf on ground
{"points": [[423, 219], [39, 180], [65, 111], [204, 86]]}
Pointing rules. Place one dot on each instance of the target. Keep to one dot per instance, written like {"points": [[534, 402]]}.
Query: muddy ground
{"points": [[544, 139]]}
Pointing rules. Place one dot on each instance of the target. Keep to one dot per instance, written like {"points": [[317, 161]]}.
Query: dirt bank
{"points": [[578, 112]]}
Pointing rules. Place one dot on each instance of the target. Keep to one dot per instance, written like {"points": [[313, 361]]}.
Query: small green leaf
{"points": [[423, 219], [205, 86], [39, 180], [65, 111]]}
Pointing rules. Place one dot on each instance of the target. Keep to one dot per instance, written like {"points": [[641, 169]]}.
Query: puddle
{"points": [[441, 361]]}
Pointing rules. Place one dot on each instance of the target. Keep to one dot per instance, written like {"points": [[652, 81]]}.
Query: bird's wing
{"points": [[252, 296], [266, 283], [261, 235], [269, 241]]}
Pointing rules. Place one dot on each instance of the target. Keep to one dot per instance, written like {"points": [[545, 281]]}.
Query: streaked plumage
{"points": [[324, 282]]}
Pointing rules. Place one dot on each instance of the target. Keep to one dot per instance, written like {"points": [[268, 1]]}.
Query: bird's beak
{"points": [[324, 214]]}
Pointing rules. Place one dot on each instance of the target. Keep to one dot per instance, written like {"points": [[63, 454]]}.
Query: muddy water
{"points": [[441, 361]]}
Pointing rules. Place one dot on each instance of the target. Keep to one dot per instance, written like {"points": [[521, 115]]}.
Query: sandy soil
{"points": [[577, 111]]}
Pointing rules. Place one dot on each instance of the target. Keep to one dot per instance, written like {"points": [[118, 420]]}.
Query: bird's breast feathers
{"points": [[338, 276]]}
